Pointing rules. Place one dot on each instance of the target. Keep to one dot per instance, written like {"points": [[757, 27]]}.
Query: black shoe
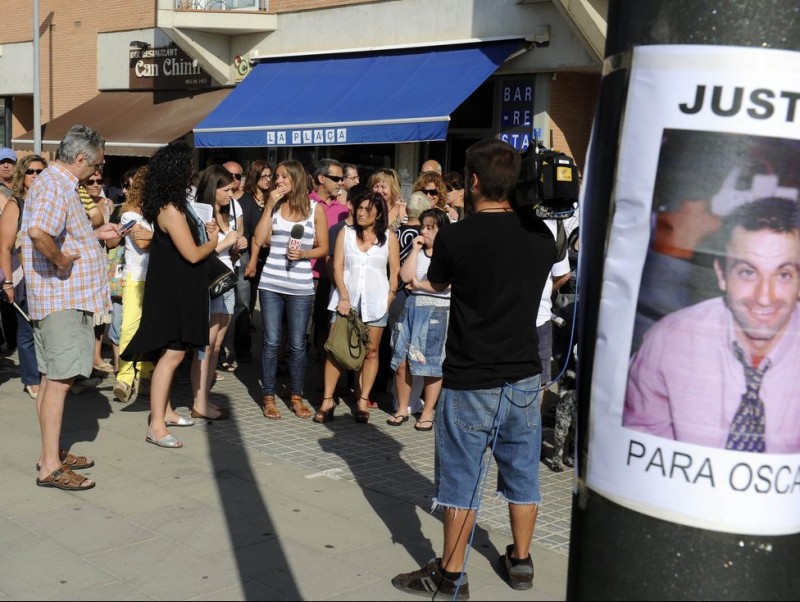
{"points": [[519, 572], [429, 582]]}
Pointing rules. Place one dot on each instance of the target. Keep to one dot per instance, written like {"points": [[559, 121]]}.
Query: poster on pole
{"points": [[695, 413]]}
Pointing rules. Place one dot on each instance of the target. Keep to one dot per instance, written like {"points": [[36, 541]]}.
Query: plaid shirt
{"points": [[54, 206]]}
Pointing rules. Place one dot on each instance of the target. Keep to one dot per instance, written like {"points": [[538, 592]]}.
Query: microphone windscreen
{"points": [[297, 231]]}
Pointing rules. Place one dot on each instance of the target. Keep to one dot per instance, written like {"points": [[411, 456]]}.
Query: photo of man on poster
{"points": [[721, 373]]}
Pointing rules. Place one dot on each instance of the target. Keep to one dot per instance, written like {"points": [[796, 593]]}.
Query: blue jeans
{"points": [[298, 310], [466, 423], [28, 368]]}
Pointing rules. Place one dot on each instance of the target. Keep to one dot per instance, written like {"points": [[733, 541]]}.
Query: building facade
{"points": [[145, 73]]}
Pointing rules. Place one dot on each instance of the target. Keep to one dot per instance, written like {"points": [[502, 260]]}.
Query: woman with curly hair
{"points": [[433, 185], [296, 230], [25, 172], [137, 255], [175, 318]]}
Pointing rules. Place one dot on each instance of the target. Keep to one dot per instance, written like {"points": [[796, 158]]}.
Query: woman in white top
{"points": [[296, 230], [215, 188], [419, 336], [137, 255], [360, 261]]}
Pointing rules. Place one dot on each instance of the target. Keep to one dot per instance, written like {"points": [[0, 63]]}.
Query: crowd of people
{"points": [[307, 244]]}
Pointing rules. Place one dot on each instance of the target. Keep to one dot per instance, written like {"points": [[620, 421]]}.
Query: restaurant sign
{"points": [[165, 68]]}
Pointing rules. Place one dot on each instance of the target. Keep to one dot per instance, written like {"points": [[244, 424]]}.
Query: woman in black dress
{"points": [[175, 308]]}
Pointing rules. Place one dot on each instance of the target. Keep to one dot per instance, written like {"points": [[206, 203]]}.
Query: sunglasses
{"points": [[238, 176], [94, 181], [336, 179], [431, 191], [30, 172]]}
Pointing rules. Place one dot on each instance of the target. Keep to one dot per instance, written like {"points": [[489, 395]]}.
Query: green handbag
{"points": [[347, 343]]}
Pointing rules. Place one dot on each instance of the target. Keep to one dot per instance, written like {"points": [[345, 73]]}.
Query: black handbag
{"points": [[221, 277]]}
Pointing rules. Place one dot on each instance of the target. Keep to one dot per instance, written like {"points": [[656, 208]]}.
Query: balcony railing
{"points": [[253, 5]]}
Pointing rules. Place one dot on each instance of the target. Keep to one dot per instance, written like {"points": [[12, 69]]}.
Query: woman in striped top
{"points": [[296, 230]]}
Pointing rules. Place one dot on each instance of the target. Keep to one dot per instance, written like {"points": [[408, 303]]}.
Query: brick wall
{"points": [[572, 105], [68, 45]]}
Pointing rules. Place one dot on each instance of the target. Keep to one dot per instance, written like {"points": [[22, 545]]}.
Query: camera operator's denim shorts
{"points": [[466, 422]]}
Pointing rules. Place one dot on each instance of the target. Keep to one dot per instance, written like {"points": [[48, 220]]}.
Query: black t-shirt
{"points": [[251, 213], [497, 267]]}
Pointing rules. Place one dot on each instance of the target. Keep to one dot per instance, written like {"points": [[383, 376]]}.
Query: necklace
{"points": [[495, 210]]}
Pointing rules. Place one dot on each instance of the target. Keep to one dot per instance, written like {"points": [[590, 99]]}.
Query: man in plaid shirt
{"points": [[65, 271]]}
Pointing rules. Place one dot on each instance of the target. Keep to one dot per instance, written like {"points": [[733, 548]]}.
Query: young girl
{"points": [[420, 333], [215, 188]]}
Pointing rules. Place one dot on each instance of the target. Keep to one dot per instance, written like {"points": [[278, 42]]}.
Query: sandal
{"points": [[299, 408], [397, 420], [419, 425], [269, 409], [323, 416], [72, 462], [64, 478], [105, 367]]}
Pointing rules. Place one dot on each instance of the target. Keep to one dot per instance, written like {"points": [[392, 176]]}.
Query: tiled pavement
{"points": [[403, 468]]}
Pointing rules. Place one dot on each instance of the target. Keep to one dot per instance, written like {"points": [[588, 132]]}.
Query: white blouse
{"points": [[365, 276]]}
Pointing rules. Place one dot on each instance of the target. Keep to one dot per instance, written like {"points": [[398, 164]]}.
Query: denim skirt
{"points": [[420, 334]]}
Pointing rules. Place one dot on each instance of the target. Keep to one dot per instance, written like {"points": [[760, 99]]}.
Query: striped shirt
{"points": [[281, 275], [54, 205]]}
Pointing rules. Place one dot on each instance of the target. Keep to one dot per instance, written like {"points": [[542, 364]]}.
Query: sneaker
{"points": [[122, 391], [429, 582], [520, 573]]}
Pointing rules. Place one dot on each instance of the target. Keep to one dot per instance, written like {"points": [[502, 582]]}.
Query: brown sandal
{"points": [[72, 462], [299, 408], [269, 409], [65, 479], [323, 416]]}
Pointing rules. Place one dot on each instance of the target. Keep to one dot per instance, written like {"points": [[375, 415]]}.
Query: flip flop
{"points": [[397, 420], [423, 428]]}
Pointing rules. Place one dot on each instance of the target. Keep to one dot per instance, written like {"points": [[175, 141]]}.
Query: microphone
{"points": [[295, 238]]}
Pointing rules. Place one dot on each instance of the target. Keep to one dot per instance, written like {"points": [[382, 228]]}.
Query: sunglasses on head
{"points": [[94, 181], [431, 191], [30, 172], [336, 179]]}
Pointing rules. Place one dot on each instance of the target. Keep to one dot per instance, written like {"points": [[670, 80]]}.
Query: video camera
{"points": [[548, 183]]}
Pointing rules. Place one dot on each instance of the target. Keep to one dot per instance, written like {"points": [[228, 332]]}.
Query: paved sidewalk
{"points": [[249, 509]]}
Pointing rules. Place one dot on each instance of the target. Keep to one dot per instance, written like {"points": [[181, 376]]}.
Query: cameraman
{"points": [[497, 262]]}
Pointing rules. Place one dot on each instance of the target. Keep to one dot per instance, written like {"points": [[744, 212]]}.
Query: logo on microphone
{"points": [[295, 238]]}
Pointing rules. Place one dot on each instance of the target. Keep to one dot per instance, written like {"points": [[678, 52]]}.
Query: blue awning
{"points": [[358, 98]]}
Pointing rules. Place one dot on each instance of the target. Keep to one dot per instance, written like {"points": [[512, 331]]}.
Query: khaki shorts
{"points": [[64, 342]]}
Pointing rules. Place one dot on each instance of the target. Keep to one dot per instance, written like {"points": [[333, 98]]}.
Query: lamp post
{"points": [[697, 109], [37, 103]]}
